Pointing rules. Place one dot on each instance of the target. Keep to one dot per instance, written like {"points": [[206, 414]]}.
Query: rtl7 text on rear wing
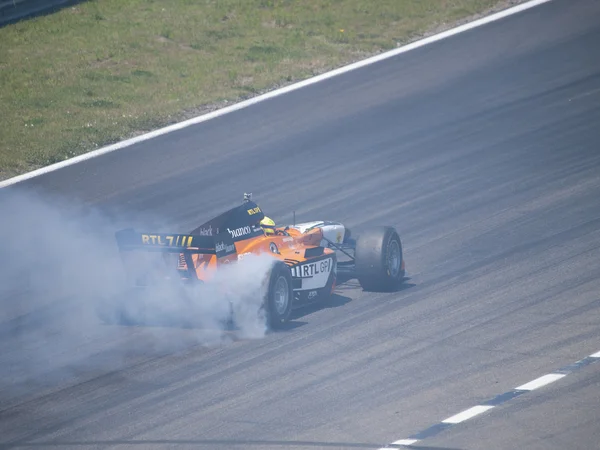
{"points": [[129, 241]]}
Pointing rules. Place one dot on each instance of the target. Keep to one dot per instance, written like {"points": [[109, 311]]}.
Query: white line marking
{"points": [[476, 410], [467, 414], [541, 381], [405, 441], [261, 98], [401, 442]]}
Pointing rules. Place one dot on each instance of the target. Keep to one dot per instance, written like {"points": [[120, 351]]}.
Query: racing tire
{"points": [[379, 262], [279, 295]]}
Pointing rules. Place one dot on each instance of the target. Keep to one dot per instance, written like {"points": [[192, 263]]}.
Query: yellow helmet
{"points": [[268, 225]]}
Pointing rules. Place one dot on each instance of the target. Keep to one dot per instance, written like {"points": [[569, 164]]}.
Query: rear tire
{"points": [[379, 259], [279, 296]]}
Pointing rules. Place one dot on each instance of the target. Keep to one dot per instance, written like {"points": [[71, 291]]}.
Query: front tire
{"points": [[379, 260], [279, 296]]}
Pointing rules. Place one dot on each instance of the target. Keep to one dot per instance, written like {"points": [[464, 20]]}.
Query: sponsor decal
{"points": [[222, 247], [253, 211], [312, 294], [167, 240], [205, 231], [309, 270], [243, 255], [239, 232]]}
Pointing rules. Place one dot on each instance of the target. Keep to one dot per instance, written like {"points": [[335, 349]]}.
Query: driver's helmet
{"points": [[268, 225]]}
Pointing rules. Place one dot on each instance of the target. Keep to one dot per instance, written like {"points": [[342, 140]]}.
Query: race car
{"points": [[307, 257]]}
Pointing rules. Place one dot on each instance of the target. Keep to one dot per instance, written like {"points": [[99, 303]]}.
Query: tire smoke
{"points": [[64, 293]]}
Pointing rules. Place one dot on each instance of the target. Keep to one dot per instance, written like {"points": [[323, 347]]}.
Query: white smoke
{"points": [[231, 298], [63, 285]]}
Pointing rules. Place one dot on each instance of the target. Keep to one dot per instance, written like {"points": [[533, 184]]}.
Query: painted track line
{"points": [[467, 414], [541, 381], [276, 93], [488, 405]]}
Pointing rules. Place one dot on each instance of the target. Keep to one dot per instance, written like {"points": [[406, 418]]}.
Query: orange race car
{"points": [[307, 257]]}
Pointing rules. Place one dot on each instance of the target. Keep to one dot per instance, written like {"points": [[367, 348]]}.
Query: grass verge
{"points": [[103, 71]]}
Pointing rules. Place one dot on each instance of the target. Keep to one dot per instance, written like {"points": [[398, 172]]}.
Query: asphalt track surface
{"points": [[14, 10], [482, 151]]}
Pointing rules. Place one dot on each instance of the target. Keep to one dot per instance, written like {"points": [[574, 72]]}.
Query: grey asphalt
{"points": [[481, 149], [12, 11]]}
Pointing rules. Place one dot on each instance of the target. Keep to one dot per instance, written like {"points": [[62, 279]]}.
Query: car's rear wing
{"points": [[185, 245], [130, 240]]}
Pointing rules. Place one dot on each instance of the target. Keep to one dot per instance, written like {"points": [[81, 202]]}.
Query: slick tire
{"points": [[279, 295], [379, 260]]}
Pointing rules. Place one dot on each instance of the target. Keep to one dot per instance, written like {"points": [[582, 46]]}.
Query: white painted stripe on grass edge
{"points": [[595, 355], [276, 93], [467, 414], [541, 381]]}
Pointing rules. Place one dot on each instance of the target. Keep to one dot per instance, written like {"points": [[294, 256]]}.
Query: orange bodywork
{"points": [[290, 245]]}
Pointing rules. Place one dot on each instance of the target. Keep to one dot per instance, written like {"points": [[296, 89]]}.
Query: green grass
{"points": [[106, 70]]}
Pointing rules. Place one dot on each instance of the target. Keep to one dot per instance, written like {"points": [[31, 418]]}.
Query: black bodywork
{"points": [[213, 237]]}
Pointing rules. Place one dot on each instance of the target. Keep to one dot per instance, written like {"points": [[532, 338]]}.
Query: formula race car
{"points": [[308, 257]]}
